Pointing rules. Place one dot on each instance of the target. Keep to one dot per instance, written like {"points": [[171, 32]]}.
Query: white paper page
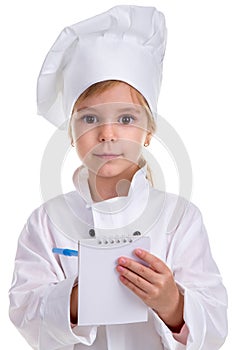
{"points": [[102, 298]]}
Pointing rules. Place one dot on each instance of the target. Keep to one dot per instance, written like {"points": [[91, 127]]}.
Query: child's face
{"points": [[109, 130]]}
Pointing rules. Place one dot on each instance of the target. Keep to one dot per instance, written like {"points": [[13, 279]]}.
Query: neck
{"points": [[103, 188]]}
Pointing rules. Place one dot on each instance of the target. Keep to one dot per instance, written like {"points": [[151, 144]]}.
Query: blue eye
{"points": [[89, 119], [126, 119]]}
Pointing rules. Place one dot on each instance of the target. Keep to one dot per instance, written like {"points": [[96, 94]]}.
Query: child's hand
{"points": [[155, 285]]}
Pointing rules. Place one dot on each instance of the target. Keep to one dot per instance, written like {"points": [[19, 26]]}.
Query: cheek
{"points": [[84, 145], [133, 150], [133, 145], [136, 136], [82, 134]]}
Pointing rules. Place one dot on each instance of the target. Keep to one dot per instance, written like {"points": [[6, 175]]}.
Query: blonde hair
{"points": [[100, 87]]}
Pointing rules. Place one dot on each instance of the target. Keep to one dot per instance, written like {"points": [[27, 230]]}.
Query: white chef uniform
{"points": [[126, 43], [42, 283]]}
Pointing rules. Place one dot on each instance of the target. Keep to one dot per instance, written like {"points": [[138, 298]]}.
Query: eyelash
{"points": [[85, 118], [128, 116]]}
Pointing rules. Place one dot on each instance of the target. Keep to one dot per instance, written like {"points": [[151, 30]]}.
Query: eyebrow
{"points": [[85, 108], [129, 109], [132, 109]]}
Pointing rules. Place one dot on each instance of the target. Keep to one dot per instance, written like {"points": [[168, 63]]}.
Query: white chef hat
{"points": [[125, 43]]}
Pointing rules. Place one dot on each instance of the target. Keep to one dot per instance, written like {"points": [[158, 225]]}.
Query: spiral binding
{"points": [[118, 240]]}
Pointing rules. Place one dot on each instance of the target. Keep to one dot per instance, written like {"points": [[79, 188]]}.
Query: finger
{"points": [[153, 262], [135, 283], [137, 268], [135, 289]]}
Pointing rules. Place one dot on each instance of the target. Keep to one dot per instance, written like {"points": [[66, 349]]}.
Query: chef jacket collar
{"points": [[80, 179], [117, 212]]}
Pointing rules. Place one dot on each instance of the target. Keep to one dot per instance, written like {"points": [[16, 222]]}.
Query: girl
{"points": [[106, 73]]}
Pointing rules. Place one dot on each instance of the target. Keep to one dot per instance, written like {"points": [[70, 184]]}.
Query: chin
{"points": [[116, 168]]}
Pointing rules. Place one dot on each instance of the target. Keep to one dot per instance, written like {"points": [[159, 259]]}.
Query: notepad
{"points": [[102, 298]]}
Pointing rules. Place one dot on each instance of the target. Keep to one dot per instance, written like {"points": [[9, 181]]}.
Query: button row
{"points": [[92, 233]]}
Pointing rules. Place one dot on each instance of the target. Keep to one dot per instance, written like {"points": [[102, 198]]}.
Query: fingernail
{"points": [[120, 268], [122, 261], [138, 251]]}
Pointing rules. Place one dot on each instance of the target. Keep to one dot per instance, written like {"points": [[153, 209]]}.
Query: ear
{"points": [[148, 139]]}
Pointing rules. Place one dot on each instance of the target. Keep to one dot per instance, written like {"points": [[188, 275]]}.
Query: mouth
{"points": [[108, 156]]}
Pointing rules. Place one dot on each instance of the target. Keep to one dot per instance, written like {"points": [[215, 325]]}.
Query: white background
{"points": [[196, 98]]}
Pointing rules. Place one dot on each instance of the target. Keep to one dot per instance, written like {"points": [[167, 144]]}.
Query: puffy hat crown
{"points": [[125, 43]]}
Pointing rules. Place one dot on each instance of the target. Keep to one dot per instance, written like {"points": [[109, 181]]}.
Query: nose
{"points": [[107, 132]]}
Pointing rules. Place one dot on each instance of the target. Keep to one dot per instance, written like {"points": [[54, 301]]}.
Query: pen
{"points": [[66, 252]]}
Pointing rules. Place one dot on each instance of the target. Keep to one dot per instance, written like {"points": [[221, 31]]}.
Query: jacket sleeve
{"points": [[40, 292], [198, 278]]}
